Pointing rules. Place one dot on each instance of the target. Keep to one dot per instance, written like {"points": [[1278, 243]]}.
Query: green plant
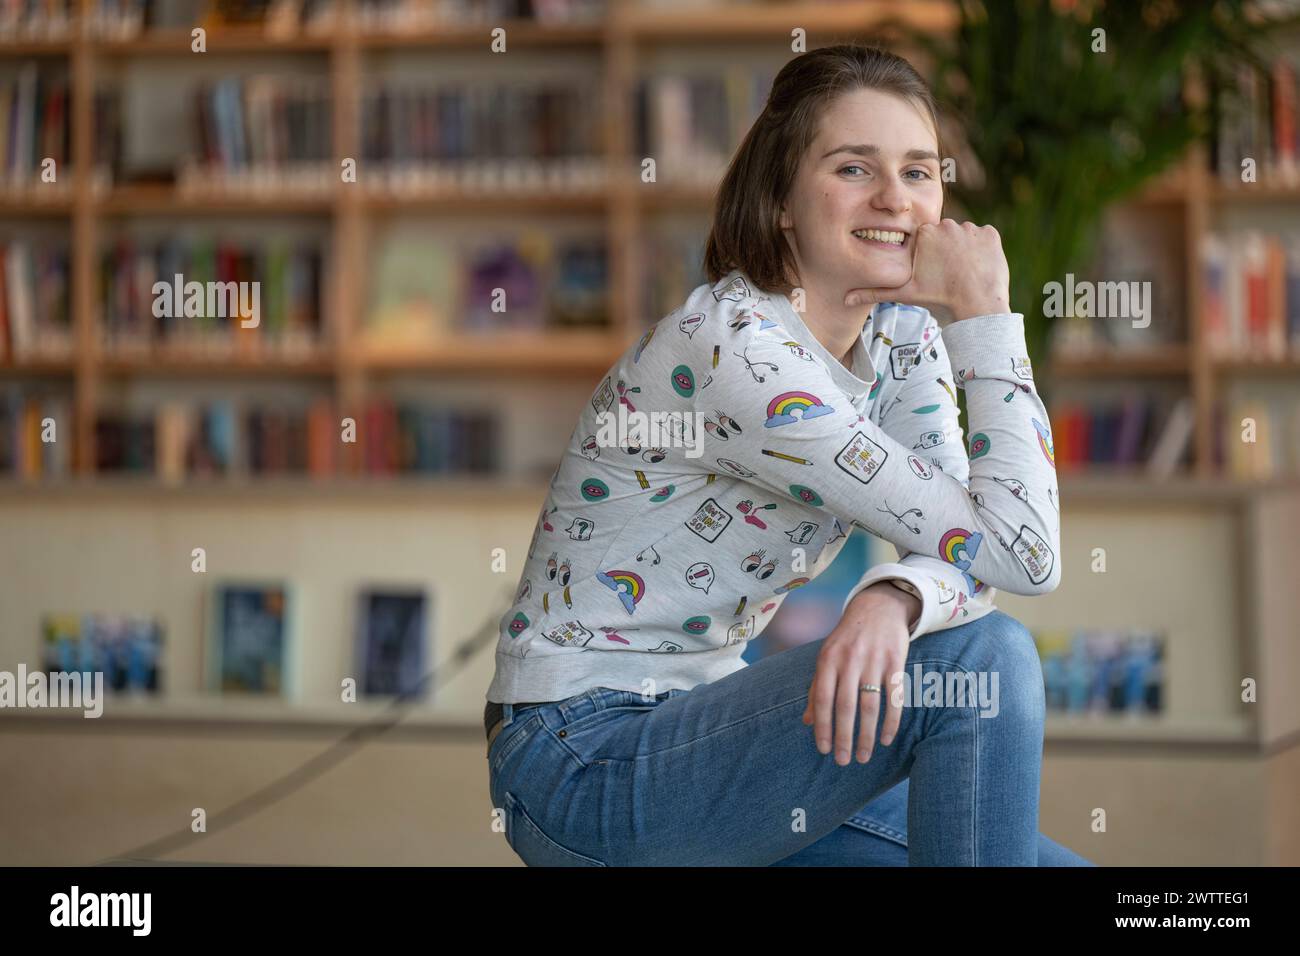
{"points": [[1062, 127]]}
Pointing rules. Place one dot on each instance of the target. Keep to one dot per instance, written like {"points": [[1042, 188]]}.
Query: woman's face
{"points": [[874, 164]]}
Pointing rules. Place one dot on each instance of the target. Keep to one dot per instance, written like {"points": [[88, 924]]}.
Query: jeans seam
{"points": [[761, 713], [879, 829], [715, 730]]}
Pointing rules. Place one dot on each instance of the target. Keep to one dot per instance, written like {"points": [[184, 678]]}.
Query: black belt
{"points": [[493, 713]]}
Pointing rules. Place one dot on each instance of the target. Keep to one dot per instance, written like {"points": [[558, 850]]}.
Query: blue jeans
{"points": [[727, 774]]}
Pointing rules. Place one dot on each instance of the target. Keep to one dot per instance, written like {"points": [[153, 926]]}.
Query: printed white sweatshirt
{"points": [[662, 547]]}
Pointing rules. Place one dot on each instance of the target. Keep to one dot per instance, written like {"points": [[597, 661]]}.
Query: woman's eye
{"points": [[847, 168], [924, 174]]}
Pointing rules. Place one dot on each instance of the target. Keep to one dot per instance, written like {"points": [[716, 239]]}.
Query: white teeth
{"points": [[881, 235]]}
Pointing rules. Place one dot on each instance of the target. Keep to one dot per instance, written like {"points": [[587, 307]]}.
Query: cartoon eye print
{"points": [[754, 564], [633, 448], [558, 572], [722, 427], [655, 455]]}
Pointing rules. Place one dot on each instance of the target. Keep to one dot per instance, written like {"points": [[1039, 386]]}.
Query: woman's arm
{"points": [[801, 438], [926, 401]]}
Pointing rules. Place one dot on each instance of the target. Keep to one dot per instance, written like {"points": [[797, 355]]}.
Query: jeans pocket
{"points": [[598, 718], [531, 843]]}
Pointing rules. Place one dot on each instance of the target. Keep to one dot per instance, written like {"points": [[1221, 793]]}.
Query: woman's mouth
{"points": [[885, 238]]}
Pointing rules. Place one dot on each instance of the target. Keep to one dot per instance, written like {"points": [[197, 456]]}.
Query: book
{"points": [[392, 642], [36, 433], [1254, 117], [282, 277], [1251, 294], [248, 644], [1174, 443], [1092, 671], [126, 648]]}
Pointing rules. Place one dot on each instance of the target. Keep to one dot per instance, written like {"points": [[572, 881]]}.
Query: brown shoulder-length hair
{"points": [[746, 231]]}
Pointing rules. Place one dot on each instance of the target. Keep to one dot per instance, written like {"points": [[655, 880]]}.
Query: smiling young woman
{"points": [[623, 726]]}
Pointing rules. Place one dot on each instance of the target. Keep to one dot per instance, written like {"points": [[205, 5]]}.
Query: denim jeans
{"points": [[727, 773]]}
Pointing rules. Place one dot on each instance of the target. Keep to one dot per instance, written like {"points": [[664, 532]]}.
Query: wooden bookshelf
{"points": [[623, 40]]}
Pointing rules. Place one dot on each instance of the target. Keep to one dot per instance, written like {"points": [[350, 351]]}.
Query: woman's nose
{"points": [[891, 196]]}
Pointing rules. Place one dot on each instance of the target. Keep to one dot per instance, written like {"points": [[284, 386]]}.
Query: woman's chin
{"points": [[885, 279]]}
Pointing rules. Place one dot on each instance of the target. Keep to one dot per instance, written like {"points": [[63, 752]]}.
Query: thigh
{"points": [[727, 774]]}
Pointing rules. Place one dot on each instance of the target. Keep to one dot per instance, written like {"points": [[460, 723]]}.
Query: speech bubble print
{"points": [[580, 529], [690, 323], [1014, 486], [803, 533], [700, 576]]}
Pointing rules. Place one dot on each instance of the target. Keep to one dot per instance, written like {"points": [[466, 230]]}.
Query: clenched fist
{"points": [[958, 271]]}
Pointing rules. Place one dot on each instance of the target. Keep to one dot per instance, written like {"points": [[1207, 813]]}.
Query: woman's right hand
{"points": [[958, 271]]}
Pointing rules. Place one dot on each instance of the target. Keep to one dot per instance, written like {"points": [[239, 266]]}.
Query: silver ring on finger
{"points": [[869, 688]]}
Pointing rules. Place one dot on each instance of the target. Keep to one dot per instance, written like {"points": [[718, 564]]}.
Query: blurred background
{"points": [[183, 507]]}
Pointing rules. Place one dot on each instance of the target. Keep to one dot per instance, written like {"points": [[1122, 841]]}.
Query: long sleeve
{"points": [[800, 436], [926, 402]]}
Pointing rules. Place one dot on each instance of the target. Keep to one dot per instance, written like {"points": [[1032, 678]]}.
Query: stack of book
{"points": [[261, 132], [1251, 284], [1103, 672], [1256, 119], [690, 124], [124, 19], [35, 321], [542, 135], [36, 19], [34, 127], [1257, 438], [1128, 432], [126, 648], [228, 440], [146, 307], [424, 287], [36, 434], [399, 15], [673, 266]]}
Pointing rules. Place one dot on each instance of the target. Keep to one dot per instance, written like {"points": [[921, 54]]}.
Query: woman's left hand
{"points": [[868, 646]]}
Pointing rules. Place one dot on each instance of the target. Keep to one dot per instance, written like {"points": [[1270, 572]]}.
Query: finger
{"points": [[846, 709], [894, 703], [823, 696], [856, 297], [870, 710]]}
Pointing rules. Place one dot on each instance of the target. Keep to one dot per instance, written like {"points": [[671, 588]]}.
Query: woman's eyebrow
{"points": [[868, 149]]}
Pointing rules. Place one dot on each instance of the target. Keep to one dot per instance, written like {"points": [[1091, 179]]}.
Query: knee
{"points": [[1008, 653]]}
